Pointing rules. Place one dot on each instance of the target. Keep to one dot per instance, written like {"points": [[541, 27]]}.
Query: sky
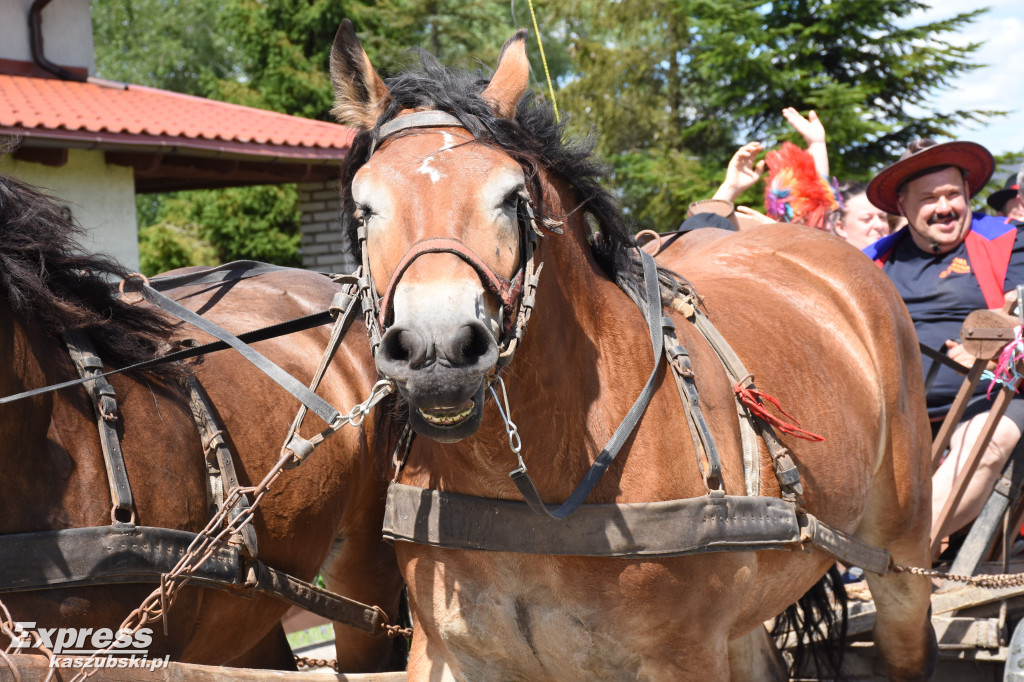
{"points": [[999, 84]]}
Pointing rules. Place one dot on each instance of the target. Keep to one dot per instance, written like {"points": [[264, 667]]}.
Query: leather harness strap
{"points": [[126, 553], [308, 398], [698, 525], [652, 313], [507, 290], [220, 467], [104, 402]]}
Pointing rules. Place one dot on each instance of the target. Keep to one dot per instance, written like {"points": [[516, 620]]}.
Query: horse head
{"points": [[443, 223]]}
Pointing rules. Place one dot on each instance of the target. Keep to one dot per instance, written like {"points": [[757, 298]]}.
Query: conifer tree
{"points": [[674, 87]]}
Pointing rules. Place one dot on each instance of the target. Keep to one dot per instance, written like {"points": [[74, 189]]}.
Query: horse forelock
{"points": [[46, 277], [534, 138]]}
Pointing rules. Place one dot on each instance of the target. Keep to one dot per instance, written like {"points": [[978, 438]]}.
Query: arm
{"points": [[742, 172], [813, 133]]}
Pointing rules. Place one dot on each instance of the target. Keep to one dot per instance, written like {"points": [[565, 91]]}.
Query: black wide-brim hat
{"points": [[971, 157], [998, 199]]}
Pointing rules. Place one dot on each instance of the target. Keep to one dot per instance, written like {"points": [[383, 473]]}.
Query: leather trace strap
{"points": [[521, 478], [710, 464], [507, 290], [220, 467], [343, 308]]}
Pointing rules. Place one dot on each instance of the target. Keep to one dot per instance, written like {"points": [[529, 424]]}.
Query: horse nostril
{"points": [[469, 344], [403, 346]]}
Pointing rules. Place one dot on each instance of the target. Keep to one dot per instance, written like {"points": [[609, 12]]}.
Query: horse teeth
{"points": [[446, 419]]}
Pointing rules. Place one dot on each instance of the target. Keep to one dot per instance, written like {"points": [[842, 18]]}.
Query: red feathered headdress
{"points": [[795, 192]]}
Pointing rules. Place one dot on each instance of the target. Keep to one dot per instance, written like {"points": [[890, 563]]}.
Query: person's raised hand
{"points": [[742, 173]]}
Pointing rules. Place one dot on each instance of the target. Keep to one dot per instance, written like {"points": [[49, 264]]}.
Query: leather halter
{"points": [[378, 310]]}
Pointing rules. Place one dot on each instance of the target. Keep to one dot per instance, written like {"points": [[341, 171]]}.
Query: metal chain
{"points": [[16, 634], [305, 662], [392, 631], [210, 539], [994, 580]]}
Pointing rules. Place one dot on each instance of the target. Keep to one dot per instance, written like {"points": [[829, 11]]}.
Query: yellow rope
{"points": [[543, 60]]}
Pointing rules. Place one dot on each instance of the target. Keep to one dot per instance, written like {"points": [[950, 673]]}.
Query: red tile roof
{"points": [[112, 115]]}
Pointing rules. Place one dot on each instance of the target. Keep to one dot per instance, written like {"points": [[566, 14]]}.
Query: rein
{"points": [[234, 271]]}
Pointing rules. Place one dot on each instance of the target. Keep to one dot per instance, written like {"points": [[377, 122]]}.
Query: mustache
{"points": [[944, 217]]}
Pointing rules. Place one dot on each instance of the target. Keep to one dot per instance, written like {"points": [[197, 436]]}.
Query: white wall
{"points": [[101, 197], [67, 32]]}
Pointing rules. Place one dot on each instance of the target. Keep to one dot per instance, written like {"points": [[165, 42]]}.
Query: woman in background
{"points": [[860, 222]]}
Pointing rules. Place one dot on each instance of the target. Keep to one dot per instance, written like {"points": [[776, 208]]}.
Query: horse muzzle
{"points": [[440, 370]]}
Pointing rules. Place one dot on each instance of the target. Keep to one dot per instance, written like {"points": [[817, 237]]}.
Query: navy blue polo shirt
{"points": [[940, 290]]}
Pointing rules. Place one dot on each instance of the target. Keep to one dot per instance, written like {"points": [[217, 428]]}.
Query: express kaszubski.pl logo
{"points": [[120, 649]]}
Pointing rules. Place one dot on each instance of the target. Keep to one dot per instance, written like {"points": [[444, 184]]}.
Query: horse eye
{"points": [[363, 211], [511, 200]]}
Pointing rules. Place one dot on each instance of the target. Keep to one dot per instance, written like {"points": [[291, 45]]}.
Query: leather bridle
{"points": [[517, 294]]}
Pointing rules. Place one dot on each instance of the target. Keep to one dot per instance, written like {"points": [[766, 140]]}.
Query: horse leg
{"points": [[271, 653], [755, 658], [364, 569], [898, 517]]}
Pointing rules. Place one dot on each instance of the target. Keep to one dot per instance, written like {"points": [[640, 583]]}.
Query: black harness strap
{"points": [[271, 332], [520, 476], [299, 390]]}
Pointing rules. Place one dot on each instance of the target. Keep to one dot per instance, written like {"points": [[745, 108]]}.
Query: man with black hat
{"points": [[1007, 202], [947, 262]]}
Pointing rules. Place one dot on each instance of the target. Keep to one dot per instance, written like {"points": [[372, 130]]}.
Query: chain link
{"points": [[305, 662], [392, 631], [994, 581]]}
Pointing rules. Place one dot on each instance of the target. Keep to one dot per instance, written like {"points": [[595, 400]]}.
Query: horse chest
{"points": [[533, 628]]}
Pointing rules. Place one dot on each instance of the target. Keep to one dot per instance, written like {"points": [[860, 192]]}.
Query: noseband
{"points": [[378, 311]]}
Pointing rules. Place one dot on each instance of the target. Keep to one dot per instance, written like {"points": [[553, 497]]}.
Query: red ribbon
{"points": [[751, 397]]}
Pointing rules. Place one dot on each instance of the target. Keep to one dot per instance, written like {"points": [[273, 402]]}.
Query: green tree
{"points": [[673, 87], [165, 44], [211, 227], [271, 54]]}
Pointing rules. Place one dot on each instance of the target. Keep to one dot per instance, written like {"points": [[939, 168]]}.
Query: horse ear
{"points": [[360, 95], [511, 79]]}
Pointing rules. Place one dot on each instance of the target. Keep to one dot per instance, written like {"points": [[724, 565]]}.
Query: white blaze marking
{"points": [[425, 169]]}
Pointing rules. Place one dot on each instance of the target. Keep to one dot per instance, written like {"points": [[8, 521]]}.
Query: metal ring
{"points": [[655, 239], [131, 275]]}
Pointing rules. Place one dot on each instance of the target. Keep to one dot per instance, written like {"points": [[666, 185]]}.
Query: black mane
{"points": [[534, 139], [49, 280]]}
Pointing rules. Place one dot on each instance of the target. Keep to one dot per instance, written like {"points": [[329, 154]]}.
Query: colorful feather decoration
{"points": [[795, 192]]}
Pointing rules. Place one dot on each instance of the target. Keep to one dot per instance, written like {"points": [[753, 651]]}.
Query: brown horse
{"points": [[324, 513], [436, 197]]}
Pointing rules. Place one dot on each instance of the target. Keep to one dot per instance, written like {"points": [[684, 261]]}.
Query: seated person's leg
{"points": [[993, 459]]}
